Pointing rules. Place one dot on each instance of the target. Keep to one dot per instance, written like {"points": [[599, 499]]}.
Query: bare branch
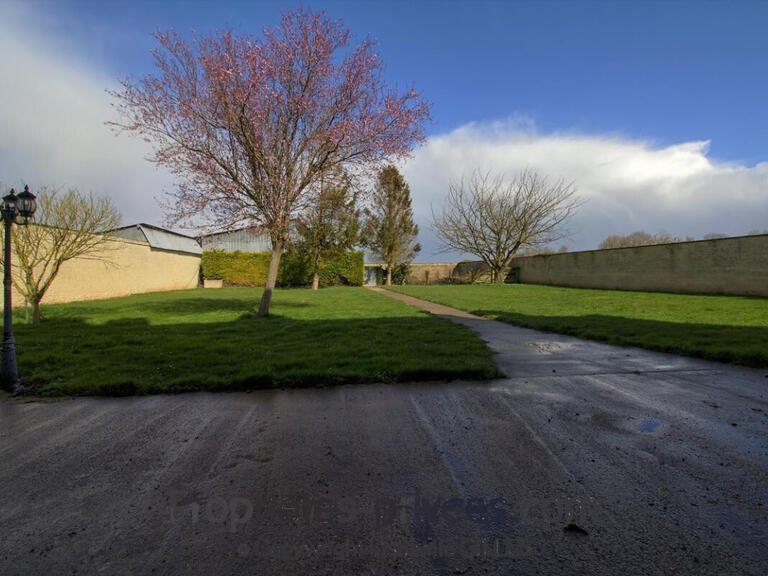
{"points": [[639, 238], [67, 225], [492, 219]]}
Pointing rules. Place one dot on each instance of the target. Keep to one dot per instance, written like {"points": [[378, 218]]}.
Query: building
{"points": [[248, 239], [158, 238], [132, 260], [374, 273]]}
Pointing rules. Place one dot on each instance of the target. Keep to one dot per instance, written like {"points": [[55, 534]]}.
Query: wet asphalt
{"points": [[586, 459]]}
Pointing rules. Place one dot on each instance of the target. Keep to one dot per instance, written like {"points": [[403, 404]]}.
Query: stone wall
{"points": [[722, 266], [430, 272], [121, 268]]}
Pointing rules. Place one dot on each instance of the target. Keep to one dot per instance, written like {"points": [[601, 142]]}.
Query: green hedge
{"points": [[250, 269], [346, 270], [236, 268]]}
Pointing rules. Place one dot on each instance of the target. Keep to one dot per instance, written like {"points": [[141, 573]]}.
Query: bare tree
{"points": [[493, 218], [67, 225]]}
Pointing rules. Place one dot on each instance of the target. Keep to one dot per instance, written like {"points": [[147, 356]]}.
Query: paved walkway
{"points": [[521, 352]]}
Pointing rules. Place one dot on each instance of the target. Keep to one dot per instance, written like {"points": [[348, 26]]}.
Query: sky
{"points": [[657, 111]]}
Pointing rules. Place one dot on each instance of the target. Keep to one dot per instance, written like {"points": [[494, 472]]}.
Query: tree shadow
{"points": [[744, 345], [191, 306], [70, 356]]}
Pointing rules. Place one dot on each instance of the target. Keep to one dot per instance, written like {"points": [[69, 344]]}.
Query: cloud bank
{"points": [[53, 107], [626, 184]]}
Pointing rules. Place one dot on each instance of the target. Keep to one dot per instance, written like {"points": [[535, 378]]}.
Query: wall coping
{"points": [[642, 246]]}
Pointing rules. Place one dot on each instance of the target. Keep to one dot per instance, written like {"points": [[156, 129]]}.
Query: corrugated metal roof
{"points": [[244, 240], [167, 240], [161, 239]]}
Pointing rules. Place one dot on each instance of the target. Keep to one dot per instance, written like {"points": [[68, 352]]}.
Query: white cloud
{"points": [[627, 184], [53, 107]]}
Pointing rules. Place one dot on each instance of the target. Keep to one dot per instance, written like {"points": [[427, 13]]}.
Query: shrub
{"points": [[295, 269], [400, 273], [250, 269], [345, 270], [236, 268]]}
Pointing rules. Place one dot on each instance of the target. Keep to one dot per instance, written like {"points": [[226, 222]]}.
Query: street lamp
{"points": [[14, 209]]}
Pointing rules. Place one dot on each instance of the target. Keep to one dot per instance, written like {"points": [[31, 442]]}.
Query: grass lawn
{"points": [[725, 328], [212, 340]]}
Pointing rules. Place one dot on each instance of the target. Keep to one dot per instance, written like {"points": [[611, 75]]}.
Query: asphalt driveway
{"points": [[587, 459]]}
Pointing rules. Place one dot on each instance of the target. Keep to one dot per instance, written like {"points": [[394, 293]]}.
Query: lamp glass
{"points": [[27, 203], [9, 201]]}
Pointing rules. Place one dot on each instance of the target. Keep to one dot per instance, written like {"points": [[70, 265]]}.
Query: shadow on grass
{"points": [[182, 306], [133, 356], [745, 345]]}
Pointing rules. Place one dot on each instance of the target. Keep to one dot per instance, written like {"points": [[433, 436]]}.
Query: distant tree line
{"points": [[643, 238], [640, 238]]}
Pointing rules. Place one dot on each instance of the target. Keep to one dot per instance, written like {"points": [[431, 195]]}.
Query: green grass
{"points": [[212, 340], [725, 328]]}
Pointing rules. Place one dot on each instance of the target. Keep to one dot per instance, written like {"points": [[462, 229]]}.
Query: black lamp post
{"points": [[14, 209]]}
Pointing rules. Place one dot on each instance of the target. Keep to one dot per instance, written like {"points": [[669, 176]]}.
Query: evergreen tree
{"points": [[390, 231], [330, 226]]}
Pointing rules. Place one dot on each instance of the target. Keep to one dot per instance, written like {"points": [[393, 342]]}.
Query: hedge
{"points": [[236, 268], [250, 269], [346, 270]]}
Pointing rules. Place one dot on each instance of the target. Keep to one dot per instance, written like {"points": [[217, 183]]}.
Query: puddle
{"points": [[548, 346], [648, 425]]}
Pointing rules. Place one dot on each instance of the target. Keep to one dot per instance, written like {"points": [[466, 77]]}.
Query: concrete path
{"points": [[587, 459], [521, 352]]}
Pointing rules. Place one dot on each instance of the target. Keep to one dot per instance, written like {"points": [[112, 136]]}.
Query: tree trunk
{"points": [[274, 266], [316, 271], [35, 310], [388, 282]]}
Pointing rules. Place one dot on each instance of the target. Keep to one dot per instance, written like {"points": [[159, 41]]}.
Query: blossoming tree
{"points": [[248, 125]]}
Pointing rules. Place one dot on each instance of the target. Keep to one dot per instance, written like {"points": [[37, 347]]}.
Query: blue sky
{"points": [[666, 101]]}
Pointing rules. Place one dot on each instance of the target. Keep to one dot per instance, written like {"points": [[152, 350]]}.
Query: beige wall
{"points": [[722, 266], [132, 268], [430, 272]]}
